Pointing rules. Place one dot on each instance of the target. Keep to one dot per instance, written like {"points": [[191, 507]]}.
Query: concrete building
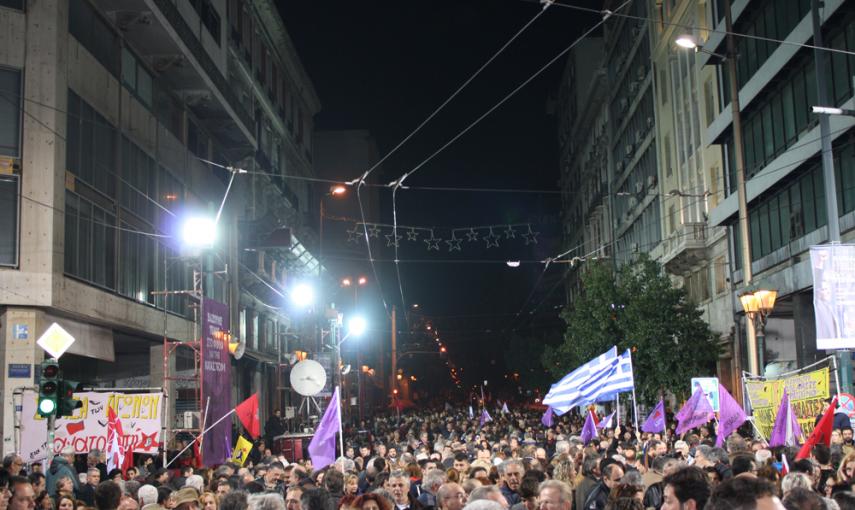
{"points": [[786, 198], [109, 109], [691, 180], [583, 139]]}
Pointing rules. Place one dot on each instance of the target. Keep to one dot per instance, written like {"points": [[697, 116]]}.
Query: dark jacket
{"points": [[60, 468], [512, 497], [86, 493], [598, 497], [582, 490], [654, 496]]}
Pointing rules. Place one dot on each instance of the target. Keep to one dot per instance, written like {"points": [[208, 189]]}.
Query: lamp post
{"points": [[687, 41], [757, 306]]}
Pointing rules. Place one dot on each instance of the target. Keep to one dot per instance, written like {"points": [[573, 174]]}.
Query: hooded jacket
{"points": [[60, 468]]}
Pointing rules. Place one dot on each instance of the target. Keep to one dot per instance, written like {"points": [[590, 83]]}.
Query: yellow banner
{"points": [[807, 392], [242, 449]]}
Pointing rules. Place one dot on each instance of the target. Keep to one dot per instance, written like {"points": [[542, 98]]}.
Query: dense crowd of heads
{"points": [[446, 459]]}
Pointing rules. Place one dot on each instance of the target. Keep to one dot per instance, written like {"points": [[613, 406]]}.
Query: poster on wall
{"points": [[833, 269], [140, 414], [216, 382]]}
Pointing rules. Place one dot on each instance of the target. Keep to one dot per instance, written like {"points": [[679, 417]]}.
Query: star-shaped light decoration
{"points": [[354, 235], [454, 242], [412, 235], [393, 242], [492, 239], [374, 231], [432, 242], [471, 235], [510, 233], [530, 236]]}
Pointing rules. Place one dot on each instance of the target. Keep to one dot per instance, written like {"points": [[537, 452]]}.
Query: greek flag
{"points": [[598, 380]]}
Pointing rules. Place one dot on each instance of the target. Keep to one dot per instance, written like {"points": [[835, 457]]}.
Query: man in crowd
{"points": [[686, 489], [450, 496], [554, 495], [511, 473], [86, 493], [431, 482], [599, 496]]}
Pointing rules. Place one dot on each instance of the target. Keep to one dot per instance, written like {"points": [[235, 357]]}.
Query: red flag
{"points": [[115, 453], [247, 411], [785, 466], [820, 434]]}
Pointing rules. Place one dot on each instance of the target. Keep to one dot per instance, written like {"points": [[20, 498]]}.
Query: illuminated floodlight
{"points": [[303, 295], [356, 326], [686, 41], [199, 232]]}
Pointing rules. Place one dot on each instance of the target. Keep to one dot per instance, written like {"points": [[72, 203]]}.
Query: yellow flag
{"points": [[242, 449]]}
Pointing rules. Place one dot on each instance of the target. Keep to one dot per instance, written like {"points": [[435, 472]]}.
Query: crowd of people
{"points": [[447, 459]]}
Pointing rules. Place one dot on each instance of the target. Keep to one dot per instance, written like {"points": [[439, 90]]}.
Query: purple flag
{"points": [[322, 447], [731, 415], [606, 422], [485, 417], [589, 431], [696, 412], [546, 420], [787, 431], [656, 421]]}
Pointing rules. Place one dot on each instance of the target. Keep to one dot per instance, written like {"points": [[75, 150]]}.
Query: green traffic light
{"points": [[47, 406]]}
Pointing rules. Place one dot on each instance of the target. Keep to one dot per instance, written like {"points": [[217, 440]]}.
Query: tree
{"points": [[639, 309]]}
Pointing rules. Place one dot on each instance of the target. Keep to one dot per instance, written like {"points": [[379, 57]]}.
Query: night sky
{"points": [[385, 66]]}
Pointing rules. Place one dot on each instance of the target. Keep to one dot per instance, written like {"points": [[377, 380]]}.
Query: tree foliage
{"points": [[637, 309]]}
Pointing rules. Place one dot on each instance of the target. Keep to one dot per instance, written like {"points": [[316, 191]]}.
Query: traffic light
{"points": [[67, 404], [48, 388]]}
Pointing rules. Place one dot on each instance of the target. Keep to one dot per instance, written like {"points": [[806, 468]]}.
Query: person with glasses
{"points": [[13, 464]]}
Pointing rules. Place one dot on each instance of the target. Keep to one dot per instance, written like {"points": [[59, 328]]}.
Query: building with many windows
{"points": [[785, 186], [110, 113]]}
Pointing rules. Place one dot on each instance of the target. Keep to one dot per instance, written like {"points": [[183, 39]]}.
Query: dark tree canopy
{"points": [[638, 309]]}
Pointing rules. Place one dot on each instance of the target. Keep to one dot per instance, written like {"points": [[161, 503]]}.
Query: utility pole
{"points": [[844, 358], [755, 352], [394, 384]]}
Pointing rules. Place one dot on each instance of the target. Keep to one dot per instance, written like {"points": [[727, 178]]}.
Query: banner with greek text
{"points": [[216, 382], [807, 392], [140, 414]]}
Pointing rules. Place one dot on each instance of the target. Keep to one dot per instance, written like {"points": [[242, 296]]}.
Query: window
{"points": [[137, 276], [90, 251], [13, 4], [136, 78], [91, 31], [209, 16], [139, 181], [721, 271], [663, 86], [90, 146], [9, 191], [10, 112], [709, 102]]}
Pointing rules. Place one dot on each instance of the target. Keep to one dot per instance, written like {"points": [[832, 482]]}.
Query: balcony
{"points": [[685, 248], [188, 64]]}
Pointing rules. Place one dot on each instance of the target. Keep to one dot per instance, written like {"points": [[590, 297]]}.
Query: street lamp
{"points": [[757, 306], [356, 326]]}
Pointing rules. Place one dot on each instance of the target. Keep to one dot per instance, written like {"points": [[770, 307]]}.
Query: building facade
{"points": [[109, 119]]}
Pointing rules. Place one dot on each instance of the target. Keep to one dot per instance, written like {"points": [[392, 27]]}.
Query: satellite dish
{"points": [[308, 378], [345, 370], [292, 358]]}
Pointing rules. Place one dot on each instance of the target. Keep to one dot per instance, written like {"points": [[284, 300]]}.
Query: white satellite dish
{"points": [[308, 378], [237, 348]]}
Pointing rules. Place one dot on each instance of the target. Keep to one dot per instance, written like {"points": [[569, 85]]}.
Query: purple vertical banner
{"points": [[216, 382]]}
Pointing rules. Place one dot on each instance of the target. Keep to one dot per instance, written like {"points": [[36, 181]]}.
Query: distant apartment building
{"points": [[108, 111]]}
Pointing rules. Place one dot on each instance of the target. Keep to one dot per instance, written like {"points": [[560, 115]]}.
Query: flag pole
{"points": [[200, 435], [617, 409], [340, 429], [634, 409]]}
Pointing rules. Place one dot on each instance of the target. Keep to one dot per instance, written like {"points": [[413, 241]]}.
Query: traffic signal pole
{"points": [[51, 429]]}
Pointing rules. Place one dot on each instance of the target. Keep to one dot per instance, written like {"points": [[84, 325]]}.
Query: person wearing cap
{"points": [[62, 466]]}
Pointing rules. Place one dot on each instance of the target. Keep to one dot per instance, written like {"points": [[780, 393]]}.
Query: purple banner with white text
{"points": [[216, 382]]}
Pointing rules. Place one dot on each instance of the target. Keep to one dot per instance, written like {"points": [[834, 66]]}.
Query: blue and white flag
{"points": [[598, 380]]}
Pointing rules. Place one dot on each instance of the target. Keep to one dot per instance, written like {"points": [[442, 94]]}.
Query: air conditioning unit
{"points": [[639, 187], [651, 181], [650, 122], [628, 149], [192, 419], [641, 72]]}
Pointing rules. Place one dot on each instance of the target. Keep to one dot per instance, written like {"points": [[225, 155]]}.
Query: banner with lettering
{"points": [[216, 382], [140, 414], [807, 392]]}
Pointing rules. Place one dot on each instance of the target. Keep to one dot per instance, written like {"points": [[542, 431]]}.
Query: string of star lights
{"points": [[436, 238]]}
